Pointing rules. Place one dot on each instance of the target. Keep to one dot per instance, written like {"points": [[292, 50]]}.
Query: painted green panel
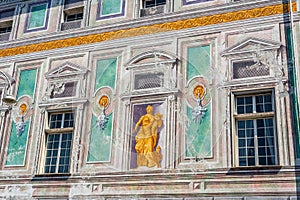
{"points": [[198, 136], [27, 82], [198, 61], [100, 142], [111, 7], [106, 73], [17, 146], [37, 16]]}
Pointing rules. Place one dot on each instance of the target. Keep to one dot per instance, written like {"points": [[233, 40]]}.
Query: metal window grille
{"points": [[58, 145], [150, 80], [70, 25], [256, 134], [248, 69]]}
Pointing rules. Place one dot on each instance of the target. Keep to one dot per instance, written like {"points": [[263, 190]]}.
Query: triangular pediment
{"points": [[66, 69], [251, 45]]}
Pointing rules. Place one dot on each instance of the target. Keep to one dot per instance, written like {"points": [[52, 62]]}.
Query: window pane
{"points": [[242, 143], [271, 160], [244, 105], [68, 121], [55, 121], [262, 161], [242, 162], [241, 124], [264, 103], [242, 152], [251, 161]]}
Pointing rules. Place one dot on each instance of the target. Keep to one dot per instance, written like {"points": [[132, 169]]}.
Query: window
{"points": [[152, 7], [6, 21], [255, 129], [5, 29], [153, 3], [59, 143], [72, 16]]}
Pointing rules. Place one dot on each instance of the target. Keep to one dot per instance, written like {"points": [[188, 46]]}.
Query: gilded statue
{"points": [[146, 139]]}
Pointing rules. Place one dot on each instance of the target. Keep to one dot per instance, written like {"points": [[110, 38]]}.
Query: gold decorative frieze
{"points": [[151, 29]]}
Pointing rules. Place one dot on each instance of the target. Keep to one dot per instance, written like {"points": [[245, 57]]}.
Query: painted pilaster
{"points": [[171, 133], [76, 144], [60, 4], [39, 141], [16, 21]]}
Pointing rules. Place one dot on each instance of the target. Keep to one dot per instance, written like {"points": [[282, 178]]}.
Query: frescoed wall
{"points": [[198, 135], [18, 140], [100, 141]]}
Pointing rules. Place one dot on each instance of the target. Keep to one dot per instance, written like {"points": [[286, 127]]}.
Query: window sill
{"points": [[250, 170], [53, 177]]}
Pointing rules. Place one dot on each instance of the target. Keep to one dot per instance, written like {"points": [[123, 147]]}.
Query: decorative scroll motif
{"points": [[146, 139], [151, 29]]}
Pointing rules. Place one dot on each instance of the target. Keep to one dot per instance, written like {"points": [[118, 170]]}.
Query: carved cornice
{"points": [[151, 29]]}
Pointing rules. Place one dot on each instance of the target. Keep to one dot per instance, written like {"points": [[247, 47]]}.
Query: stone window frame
{"points": [[253, 116], [56, 131]]}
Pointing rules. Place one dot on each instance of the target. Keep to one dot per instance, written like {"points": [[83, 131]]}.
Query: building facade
{"points": [[149, 99]]}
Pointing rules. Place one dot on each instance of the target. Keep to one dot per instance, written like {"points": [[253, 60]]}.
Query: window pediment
{"points": [[251, 45], [67, 69], [65, 81]]}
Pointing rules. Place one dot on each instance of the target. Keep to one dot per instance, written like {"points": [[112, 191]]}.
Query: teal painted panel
{"points": [[198, 136], [100, 142], [111, 7], [198, 61], [106, 73], [37, 16], [27, 82], [17, 146]]}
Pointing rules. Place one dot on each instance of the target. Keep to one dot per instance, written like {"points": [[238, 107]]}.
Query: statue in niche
{"points": [[146, 139]]}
